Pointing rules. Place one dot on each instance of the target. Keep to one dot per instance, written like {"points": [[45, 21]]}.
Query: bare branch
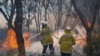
{"points": [[96, 7], [81, 16], [6, 18]]}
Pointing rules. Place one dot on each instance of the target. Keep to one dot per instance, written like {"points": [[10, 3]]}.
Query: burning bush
{"points": [[11, 42]]}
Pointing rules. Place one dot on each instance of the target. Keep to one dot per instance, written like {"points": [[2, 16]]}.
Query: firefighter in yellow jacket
{"points": [[46, 39], [66, 41]]}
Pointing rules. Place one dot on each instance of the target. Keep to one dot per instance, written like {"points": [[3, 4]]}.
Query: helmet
{"points": [[68, 28], [44, 22]]}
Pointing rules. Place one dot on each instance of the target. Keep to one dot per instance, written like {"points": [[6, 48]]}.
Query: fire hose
{"points": [[34, 36], [39, 34]]}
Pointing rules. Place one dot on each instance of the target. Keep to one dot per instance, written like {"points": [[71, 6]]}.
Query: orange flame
{"points": [[89, 24], [11, 42], [81, 41]]}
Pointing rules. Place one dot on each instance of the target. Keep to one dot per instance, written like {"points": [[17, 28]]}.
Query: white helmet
{"points": [[68, 28], [44, 22]]}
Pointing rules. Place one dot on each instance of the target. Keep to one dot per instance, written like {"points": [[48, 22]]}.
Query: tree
{"points": [[87, 23], [12, 13], [9, 10], [18, 27]]}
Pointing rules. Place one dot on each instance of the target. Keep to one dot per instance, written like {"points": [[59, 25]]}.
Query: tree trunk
{"points": [[98, 26], [89, 42], [18, 27], [89, 35], [59, 13]]}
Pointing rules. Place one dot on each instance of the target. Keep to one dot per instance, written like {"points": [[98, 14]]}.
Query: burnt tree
{"points": [[18, 27], [89, 25]]}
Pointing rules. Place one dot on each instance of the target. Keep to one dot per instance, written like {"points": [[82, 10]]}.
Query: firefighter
{"points": [[46, 39], [66, 41]]}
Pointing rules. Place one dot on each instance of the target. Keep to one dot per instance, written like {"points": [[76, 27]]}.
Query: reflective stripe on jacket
{"points": [[66, 42], [46, 37]]}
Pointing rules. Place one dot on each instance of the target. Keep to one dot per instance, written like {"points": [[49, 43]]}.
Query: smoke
{"points": [[36, 47]]}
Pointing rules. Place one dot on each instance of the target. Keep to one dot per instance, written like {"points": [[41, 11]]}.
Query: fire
{"points": [[89, 24], [81, 40], [26, 41], [11, 42]]}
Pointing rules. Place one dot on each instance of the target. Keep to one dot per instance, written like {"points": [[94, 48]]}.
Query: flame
{"points": [[89, 24], [81, 40], [11, 42], [26, 41]]}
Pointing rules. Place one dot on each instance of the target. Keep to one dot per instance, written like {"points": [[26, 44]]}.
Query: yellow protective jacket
{"points": [[66, 42], [46, 37]]}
